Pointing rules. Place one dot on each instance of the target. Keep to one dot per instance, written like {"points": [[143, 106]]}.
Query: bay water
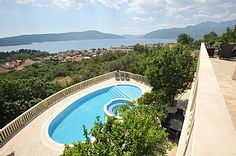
{"points": [[59, 46]]}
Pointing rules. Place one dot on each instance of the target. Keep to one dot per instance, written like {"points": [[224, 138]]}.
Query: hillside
{"points": [[28, 39], [196, 31]]}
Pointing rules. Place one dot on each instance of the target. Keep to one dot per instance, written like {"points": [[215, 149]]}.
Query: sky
{"points": [[137, 17]]}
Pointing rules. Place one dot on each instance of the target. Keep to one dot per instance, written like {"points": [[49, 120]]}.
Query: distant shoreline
{"points": [[27, 43], [14, 44], [59, 46]]}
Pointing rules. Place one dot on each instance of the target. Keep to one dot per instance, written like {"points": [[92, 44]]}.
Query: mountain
{"points": [[28, 39], [196, 31]]}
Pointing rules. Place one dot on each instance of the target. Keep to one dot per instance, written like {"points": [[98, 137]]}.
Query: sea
{"points": [[59, 46]]}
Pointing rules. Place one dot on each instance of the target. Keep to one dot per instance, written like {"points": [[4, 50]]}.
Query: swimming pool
{"points": [[66, 127]]}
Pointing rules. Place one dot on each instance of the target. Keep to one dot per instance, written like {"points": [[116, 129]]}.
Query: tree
{"points": [[184, 39], [210, 39], [211, 35], [195, 45], [16, 96], [229, 35], [171, 70], [141, 48]]}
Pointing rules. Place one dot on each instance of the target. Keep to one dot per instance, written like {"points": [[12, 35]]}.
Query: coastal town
{"points": [[64, 56]]}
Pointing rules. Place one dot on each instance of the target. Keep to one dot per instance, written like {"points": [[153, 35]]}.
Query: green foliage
{"points": [[184, 39], [58, 71], [16, 96], [210, 39], [153, 98], [170, 70], [140, 132], [195, 45], [141, 48], [211, 35], [229, 35]]}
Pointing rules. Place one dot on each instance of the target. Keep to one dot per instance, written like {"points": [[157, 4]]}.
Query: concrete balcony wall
{"points": [[207, 129]]}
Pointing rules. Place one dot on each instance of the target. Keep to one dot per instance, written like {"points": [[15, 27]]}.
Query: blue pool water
{"points": [[66, 127]]}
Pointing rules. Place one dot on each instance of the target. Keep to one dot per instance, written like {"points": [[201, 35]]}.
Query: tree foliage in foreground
{"points": [[140, 132]]}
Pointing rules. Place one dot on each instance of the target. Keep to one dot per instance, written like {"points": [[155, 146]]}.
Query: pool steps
{"points": [[117, 93], [121, 92], [114, 93]]}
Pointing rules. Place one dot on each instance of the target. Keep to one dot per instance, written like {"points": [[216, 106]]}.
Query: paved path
{"points": [[33, 140], [224, 70]]}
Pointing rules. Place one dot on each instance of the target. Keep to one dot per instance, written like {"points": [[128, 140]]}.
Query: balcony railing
{"points": [[207, 128]]}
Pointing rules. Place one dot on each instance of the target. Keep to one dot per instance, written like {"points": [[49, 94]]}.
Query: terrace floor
{"points": [[224, 70], [34, 139]]}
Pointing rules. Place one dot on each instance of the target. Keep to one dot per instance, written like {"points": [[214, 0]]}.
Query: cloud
{"points": [[74, 4], [26, 1], [143, 19], [165, 9], [140, 6], [201, 14], [178, 10], [110, 3], [67, 4], [224, 16], [34, 3], [61, 4], [162, 8], [183, 9], [229, 5]]}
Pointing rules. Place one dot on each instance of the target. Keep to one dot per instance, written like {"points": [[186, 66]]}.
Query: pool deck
{"points": [[34, 139]]}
